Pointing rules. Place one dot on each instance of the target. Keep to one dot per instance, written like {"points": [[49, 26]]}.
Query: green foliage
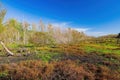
{"points": [[41, 38], [15, 24], [2, 15], [3, 74], [1, 28]]}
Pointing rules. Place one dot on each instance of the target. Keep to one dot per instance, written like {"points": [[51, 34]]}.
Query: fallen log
{"points": [[9, 53]]}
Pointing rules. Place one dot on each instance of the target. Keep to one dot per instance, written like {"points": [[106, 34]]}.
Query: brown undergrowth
{"points": [[63, 70]]}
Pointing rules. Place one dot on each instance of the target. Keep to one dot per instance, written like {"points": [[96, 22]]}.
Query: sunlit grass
{"points": [[47, 56], [101, 48]]}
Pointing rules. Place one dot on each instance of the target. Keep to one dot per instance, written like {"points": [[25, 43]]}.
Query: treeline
{"points": [[13, 31]]}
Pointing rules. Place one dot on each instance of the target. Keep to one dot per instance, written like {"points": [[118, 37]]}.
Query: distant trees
{"points": [[13, 31], [118, 40], [40, 38], [41, 26], [16, 32], [55, 35], [77, 36], [25, 26]]}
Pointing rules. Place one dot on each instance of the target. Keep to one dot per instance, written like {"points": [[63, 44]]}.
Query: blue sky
{"points": [[94, 17]]}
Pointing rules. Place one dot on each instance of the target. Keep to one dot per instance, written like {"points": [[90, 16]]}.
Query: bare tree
{"points": [[33, 26], [25, 28], [41, 26]]}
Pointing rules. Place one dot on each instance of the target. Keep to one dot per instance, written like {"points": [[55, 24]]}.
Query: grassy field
{"points": [[83, 61]]}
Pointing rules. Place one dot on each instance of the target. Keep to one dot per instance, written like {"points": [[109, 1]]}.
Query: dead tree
{"points": [[9, 53]]}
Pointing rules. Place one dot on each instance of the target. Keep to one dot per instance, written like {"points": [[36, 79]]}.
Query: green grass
{"points": [[47, 56], [12, 45], [101, 48]]}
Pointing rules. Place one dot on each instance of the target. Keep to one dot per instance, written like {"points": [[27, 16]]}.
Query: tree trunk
{"points": [[7, 50]]}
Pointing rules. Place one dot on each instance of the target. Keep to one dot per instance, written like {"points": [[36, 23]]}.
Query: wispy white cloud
{"points": [[98, 30], [82, 29], [61, 24], [90, 32], [96, 34]]}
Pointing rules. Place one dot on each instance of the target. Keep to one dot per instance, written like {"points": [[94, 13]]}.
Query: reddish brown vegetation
{"points": [[73, 64], [71, 49], [63, 70]]}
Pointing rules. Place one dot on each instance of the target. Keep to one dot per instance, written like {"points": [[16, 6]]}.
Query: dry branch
{"points": [[6, 49]]}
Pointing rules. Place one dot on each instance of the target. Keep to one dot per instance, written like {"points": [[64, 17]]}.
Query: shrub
{"points": [[62, 70]]}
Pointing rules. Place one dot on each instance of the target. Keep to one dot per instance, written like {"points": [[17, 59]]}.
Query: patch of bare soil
{"points": [[109, 60], [14, 59]]}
